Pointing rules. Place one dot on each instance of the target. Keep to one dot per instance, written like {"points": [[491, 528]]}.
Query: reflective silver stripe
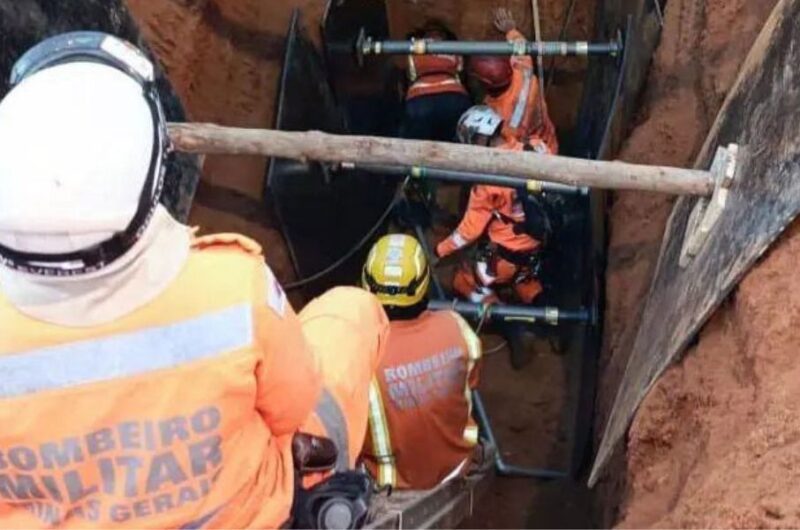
{"points": [[458, 240], [127, 354], [475, 349], [522, 100], [381, 437], [336, 426]]}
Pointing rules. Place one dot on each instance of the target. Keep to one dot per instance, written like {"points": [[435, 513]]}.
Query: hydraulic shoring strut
{"points": [[502, 312], [427, 173], [366, 46]]}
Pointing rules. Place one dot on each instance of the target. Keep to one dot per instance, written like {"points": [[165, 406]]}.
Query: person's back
{"points": [[175, 414], [147, 380], [425, 383], [436, 96], [421, 426]]}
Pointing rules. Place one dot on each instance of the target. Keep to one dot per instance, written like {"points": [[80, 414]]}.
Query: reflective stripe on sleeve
{"points": [[471, 434], [381, 440], [522, 100], [127, 354], [475, 352], [458, 240], [335, 424]]}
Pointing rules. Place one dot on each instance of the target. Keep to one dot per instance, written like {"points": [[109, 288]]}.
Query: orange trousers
{"points": [[475, 281], [347, 329]]}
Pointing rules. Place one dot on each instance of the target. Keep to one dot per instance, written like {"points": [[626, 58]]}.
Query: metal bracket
{"points": [[363, 47], [707, 211]]}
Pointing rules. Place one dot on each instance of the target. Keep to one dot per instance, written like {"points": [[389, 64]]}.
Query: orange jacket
{"points": [[348, 330], [180, 413], [434, 74], [481, 216], [421, 426], [521, 105]]}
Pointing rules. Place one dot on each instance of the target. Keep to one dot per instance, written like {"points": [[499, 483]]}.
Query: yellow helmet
{"points": [[397, 271]]}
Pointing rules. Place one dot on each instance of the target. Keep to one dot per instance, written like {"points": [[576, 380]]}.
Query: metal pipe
{"points": [[503, 468], [422, 172], [550, 315], [366, 46]]}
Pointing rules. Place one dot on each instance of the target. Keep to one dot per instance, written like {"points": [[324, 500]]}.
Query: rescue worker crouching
{"points": [[513, 90], [497, 212], [510, 258], [421, 426], [150, 379]]}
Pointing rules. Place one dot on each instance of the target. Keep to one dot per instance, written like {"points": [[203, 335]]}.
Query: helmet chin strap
{"points": [[114, 53]]}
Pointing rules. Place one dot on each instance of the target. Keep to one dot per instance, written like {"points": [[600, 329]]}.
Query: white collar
{"points": [[134, 280]]}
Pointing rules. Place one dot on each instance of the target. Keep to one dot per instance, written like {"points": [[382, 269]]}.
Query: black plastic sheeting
{"points": [[24, 23], [611, 96], [371, 93], [322, 218]]}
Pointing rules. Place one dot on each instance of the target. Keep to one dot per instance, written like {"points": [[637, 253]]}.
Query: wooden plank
{"points": [[315, 145], [762, 115]]}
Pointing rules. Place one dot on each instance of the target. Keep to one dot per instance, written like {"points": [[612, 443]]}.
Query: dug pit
{"points": [[715, 442]]}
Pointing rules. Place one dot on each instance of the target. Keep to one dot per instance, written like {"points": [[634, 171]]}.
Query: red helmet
{"points": [[493, 71]]}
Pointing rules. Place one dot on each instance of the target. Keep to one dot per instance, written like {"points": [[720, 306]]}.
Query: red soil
{"points": [[224, 59], [715, 443]]}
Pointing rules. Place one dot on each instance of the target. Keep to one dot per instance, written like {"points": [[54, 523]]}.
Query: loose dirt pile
{"points": [[713, 444]]}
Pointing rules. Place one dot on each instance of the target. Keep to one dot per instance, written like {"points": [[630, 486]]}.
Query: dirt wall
{"points": [[671, 453], [224, 59]]}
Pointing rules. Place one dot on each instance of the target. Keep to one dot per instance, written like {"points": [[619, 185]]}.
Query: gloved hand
{"points": [[504, 20], [313, 454]]}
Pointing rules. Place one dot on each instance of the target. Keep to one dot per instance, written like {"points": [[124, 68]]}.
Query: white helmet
{"points": [[82, 146], [479, 120]]}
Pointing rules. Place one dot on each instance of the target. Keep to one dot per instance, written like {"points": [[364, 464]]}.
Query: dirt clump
{"points": [[712, 444]]}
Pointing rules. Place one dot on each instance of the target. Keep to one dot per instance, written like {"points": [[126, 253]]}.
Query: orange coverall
{"points": [[521, 105], [434, 74], [421, 426], [474, 281], [182, 412]]}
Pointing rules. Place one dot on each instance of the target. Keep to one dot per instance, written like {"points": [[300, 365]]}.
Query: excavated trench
{"points": [[712, 443]]}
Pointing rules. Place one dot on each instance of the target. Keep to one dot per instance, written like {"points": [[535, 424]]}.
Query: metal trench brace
{"points": [[550, 315], [365, 46], [462, 177]]}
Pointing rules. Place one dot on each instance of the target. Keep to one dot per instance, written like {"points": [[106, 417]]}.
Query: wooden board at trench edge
{"points": [[762, 115]]}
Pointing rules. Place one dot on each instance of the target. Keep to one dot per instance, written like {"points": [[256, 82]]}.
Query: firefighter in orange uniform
{"points": [[150, 379], [421, 426], [497, 212], [514, 91], [436, 97]]}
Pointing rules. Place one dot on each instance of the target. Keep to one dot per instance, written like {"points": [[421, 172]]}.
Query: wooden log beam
{"points": [[314, 145]]}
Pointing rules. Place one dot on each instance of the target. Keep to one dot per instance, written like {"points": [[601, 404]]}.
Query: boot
{"points": [[313, 454], [521, 350]]}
